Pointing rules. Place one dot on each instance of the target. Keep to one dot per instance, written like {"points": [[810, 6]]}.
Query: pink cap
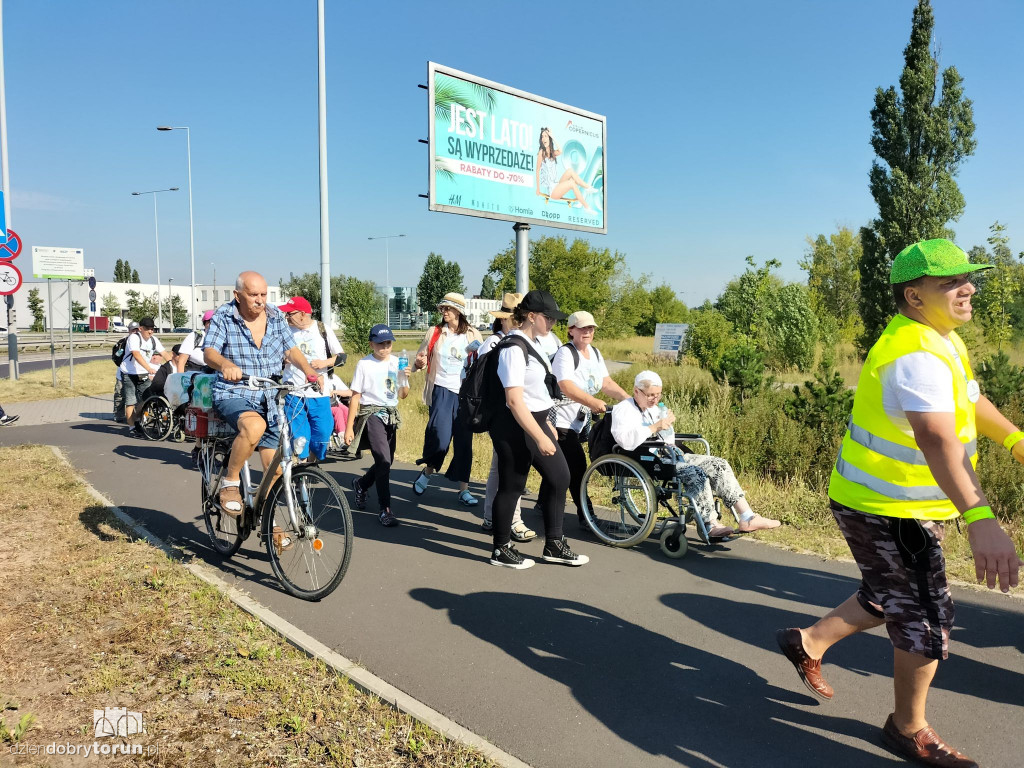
{"points": [[208, 314]]}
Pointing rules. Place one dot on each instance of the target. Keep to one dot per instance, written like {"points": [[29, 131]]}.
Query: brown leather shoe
{"points": [[791, 644], [926, 747]]}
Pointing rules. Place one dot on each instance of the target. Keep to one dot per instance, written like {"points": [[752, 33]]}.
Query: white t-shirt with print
{"points": [[451, 359], [376, 381], [516, 368], [589, 377], [311, 343], [148, 348], [919, 382], [550, 344]]}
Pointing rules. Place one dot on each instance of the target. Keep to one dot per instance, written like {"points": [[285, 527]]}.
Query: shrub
{"points": [[741, 366], [1000, 379], [710, 335], [792, 329]]}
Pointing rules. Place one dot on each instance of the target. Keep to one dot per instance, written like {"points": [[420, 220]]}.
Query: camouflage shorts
{"points": [[903, 577]]}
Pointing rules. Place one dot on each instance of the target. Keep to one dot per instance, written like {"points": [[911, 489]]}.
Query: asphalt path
{"points": [[631, 660], [41, 362]]}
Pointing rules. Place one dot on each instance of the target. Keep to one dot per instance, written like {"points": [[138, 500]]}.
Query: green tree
{"points": [[665, 308], [741, 366], [998, 288], [135, 276], [578, 275], [179, 312], [439, 277], [792, 330], [308, 286], [487, 288], [111, 306], [629, 304], [358, 304], [119, 271], [710, 336], [747, 300], [833, 278], [921, 134], [502, 271], [35, 306], [133, 299], [78, 311]]}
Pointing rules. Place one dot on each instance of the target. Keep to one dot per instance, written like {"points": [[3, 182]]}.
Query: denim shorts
{"points": [[230, 408], [135, 388]]}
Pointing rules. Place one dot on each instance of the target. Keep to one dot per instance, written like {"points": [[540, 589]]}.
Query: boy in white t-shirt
{"points": [[377, 386]]}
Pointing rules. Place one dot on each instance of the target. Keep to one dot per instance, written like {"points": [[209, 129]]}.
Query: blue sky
{"points": [[733, 128]]}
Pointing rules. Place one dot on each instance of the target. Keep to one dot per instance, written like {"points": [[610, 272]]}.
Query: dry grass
{"points": [[93, 378], [91, 618]]}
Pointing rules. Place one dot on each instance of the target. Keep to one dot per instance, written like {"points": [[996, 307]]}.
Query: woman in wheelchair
{"points": [[703, 477]]}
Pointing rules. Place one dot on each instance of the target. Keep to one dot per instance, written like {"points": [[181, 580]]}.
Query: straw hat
{"points": [[508, 302], [454, 300]]}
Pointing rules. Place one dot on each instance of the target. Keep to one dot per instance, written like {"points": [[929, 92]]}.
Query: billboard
{"points": [[499, 153], [58, 263]]}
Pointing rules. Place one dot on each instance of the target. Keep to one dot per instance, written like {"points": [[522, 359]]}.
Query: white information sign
{"points": [[669, 338], [58, 263]]}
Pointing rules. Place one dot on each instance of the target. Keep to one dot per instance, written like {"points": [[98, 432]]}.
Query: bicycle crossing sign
{"points": [[10, 278]]}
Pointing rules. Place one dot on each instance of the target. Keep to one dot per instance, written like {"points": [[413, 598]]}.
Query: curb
{"points": [[361, 678]]}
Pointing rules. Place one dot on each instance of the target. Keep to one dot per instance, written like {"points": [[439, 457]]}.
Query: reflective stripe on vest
{"points": [[893, 491], [896, 451]]}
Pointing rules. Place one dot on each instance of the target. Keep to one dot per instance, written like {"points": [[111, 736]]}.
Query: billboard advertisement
{"points": [[500, 153]]}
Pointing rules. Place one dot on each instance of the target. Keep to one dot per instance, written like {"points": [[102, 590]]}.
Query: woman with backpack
{"points": [[445, 352], [581, 374], [523, 436]]}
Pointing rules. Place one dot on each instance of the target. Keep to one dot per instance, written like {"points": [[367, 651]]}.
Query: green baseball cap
{"points": [[939, 258]]}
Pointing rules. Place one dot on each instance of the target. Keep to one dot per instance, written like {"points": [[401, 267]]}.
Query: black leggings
{"points": [[382, 448], [569, 442], [517, 452]]}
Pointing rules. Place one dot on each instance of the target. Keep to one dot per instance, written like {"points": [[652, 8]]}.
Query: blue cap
{"points": [[380, 333]]}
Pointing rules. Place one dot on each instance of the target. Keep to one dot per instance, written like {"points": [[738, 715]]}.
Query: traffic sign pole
{"points": [[5, 181], [71, 340]]}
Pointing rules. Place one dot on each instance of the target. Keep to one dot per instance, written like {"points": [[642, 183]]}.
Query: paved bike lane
{"points": [[631, 660]]}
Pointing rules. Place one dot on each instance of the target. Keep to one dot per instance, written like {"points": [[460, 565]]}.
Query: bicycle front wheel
{"points": [[225, 531], [309, 557]]}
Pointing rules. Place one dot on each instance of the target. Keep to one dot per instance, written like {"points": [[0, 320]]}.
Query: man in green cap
{"points": [[906, 464]]}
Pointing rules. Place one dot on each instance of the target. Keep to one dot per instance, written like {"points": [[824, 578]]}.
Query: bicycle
{"points": [[300, 512]]}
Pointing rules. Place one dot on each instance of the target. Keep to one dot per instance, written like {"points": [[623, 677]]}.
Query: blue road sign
{"points": [[92, 306], [3, 220]]}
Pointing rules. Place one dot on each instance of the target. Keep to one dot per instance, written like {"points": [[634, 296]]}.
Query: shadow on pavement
{"points": [[663, 696]]}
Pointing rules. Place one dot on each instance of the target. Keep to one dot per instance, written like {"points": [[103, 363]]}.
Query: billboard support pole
{"points": [[71, 340], [12, 330], [53, 348], [522, 257]]}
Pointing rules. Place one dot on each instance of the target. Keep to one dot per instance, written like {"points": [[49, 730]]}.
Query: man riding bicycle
{"points": [[248, 337]]}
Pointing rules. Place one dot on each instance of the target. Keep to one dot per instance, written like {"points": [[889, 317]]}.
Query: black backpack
{"points": [[600, 440], [482, 394], [117, 353]]}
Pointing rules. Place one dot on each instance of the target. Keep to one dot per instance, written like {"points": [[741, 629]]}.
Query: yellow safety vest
{"points": [[880, 469]]}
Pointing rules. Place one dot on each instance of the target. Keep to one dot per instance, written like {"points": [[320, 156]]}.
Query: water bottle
{"points": [[403, 360], [668, 433]]}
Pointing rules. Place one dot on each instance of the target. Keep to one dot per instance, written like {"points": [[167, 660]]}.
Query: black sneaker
{"points": [[508, 557], [360, 500], [559, 552], [8, 419], [136, 431], [386, 518]]}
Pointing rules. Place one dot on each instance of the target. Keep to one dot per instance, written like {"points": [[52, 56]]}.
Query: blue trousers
{"points": [[444, 428], [311, 418]]}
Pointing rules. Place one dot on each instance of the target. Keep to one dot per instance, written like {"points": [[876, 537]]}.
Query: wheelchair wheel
{"points": [[155, 418], [618, 501], [673, 540]]}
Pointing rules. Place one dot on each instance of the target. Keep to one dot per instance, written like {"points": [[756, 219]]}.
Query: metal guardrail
{"points": [[40, 342]]}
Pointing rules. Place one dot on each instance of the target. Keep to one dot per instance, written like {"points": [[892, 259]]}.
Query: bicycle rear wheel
{"points": [[155, 419], [310, 560], [225, 531]]}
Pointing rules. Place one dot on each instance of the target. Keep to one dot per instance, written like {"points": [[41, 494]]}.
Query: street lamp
{"points": [[387, 274], [215, 304], [170, 302], [156, 229], [191, 231]]}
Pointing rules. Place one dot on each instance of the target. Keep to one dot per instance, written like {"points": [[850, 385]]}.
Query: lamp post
{"points": [[156, 229], [215, 305], [387, 274], [170, 303], [191, 231]]}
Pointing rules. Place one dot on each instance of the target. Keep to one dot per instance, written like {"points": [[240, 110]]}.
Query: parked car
{"points": [[182, 330], [118, 328]]}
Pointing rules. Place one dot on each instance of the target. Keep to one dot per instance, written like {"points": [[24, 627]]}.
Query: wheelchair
{"points": [[629, 495], [158, 420]]}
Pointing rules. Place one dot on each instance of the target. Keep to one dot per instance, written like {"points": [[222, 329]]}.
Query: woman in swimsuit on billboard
{"points": [[549, 180]]}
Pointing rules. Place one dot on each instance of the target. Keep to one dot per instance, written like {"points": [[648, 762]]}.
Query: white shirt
{"points": [[376, 380], [490, 343], [148, 348], [516, 368], [589, 377], [451, 359], [549, 343], [194, 351], [335, 384], [919, 382], [311, 343], [630, 425]]}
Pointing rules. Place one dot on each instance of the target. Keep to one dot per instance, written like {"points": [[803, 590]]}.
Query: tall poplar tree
{"points": [[920, 134]]}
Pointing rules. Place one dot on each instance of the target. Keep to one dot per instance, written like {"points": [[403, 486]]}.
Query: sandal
{"points": [[520, 532], [420, 486], [282, 541], [721, 532], [468, 499], [230, 499]]}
